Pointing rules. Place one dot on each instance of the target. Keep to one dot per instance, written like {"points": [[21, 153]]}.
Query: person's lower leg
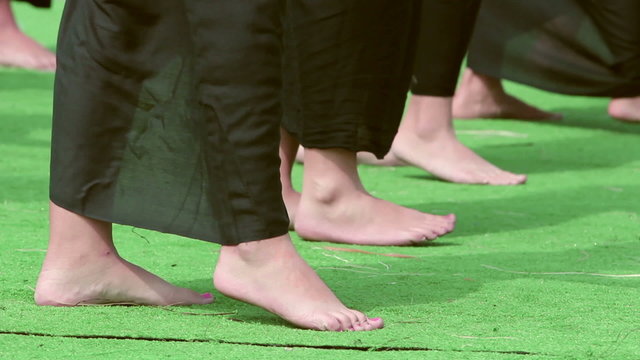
{"points": [[483, 96], [7, 21], [426, 139]]}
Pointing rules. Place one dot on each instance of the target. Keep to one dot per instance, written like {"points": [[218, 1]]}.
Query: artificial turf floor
{"points": [[531, 272]]}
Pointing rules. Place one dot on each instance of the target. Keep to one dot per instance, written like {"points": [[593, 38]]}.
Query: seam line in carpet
{"points": [[302, 346]]}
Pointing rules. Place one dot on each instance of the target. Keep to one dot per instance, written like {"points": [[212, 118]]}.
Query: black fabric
{"points": [[167, 116], [347, 68], [38, 3], [167, 113], [445, 30], [579, 47]]}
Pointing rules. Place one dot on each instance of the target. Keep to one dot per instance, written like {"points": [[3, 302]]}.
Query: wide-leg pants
{"points": [[576, 47], [348, 65], [167, 113]]}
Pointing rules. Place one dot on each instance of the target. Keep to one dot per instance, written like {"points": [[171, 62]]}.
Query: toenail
{"points": [[375, 319], [207, 296]]}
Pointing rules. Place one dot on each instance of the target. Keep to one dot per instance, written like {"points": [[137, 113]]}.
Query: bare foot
{"points": [[107, 279], [625, 109], [270, 274], [335, 207], [83, 267], [426, 139], [19, 50], [481, 96]]}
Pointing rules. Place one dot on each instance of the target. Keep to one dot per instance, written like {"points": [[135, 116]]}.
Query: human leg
{"points": [[618, 21], [83, 267], [535, 43], [262, 270], [426, 137], [146, 159], [337, 108]]}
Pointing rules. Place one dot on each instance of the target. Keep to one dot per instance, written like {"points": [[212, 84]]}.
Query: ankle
{"points": [[425, 132], [329, 190], [64, 257], [427, 117], [330, 174], [255, 252], [474, 83]]}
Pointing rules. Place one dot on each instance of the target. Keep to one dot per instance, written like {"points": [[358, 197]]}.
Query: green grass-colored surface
{"points": [[518, 278]]}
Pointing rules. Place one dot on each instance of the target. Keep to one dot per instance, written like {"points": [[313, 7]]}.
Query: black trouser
{"points": [[577, 47], [347, 68], [167, 113], [445, 30], [39, 3]]}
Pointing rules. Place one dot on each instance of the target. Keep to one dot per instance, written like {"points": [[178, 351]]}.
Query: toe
{"points": [[360, 317], [521, 179], [367, 324], [355, 321], [554, 116], [189, 297], [375, 323], [206, 298], [430, 235], [345, 319], [451, 218], [331, 323], [440, 229]]}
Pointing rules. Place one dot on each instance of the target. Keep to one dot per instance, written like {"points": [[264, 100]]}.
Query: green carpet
{"points": [[531, 272]]}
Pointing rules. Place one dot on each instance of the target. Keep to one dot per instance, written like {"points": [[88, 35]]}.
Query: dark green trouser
{"points": [[445, 30], [577, 47], [167, 113]]}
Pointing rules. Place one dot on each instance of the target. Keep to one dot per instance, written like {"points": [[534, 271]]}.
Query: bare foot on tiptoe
{"points": [[426, 139], [335, 207], [480, 96], [270, 274], [625, 109], [82, 267], [19, 50]]}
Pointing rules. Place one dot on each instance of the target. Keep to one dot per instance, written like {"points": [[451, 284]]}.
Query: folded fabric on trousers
{"points": [[567, 46], [167, 113]]}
